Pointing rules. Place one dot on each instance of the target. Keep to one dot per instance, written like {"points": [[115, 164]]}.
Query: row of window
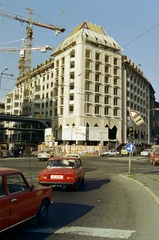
{"points": [[97, 111], [99, 57], [135, 79], [137, 90], [99, 78], [98, 67]]}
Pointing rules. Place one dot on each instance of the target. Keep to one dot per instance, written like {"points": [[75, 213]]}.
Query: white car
{"points": [[34, 153], [145, 152], [111, 152], [44, 155]]}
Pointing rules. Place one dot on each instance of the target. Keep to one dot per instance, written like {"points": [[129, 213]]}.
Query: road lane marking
{"points": [[92, 232]]}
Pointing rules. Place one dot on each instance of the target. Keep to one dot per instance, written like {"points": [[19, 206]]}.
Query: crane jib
{"points": [[22, 19]]}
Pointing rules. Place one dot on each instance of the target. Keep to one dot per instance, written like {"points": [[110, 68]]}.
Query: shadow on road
{"points": [[89, 185], [60, 215]]}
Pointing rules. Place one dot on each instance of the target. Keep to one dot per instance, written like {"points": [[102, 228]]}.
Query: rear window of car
{"points": [[155, 149], [44, 152], [61, 163]]}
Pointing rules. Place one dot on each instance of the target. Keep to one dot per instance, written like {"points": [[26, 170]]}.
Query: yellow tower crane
{"points": [[25, 60]]}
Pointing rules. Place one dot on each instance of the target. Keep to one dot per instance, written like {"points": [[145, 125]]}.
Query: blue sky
{"points": [[133, 24]]}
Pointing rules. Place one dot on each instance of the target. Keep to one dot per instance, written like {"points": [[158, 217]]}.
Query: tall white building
{"points": [[87, 73]]}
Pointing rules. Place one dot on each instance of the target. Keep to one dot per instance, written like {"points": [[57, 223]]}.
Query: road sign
{"points": [[130, 147], [133, 113], [138, 120]]}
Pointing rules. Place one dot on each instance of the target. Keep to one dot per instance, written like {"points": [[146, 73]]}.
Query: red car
{"points": [[63, 172], [154, 154], [19, 201]]}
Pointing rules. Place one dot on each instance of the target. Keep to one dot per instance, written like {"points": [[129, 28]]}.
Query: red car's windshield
{"points": [[61, 163]]}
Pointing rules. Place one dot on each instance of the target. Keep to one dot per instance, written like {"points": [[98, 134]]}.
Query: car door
{"points": [[20, 197], [79, 169], [4, 206]]}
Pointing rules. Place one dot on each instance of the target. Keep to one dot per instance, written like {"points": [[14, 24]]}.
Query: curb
{"points": [[153, 195]]}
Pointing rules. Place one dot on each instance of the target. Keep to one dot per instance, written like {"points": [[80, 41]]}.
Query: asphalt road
{"points": [[106, 207]]}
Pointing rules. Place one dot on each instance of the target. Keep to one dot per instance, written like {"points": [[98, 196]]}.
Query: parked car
{"points": [[63, 172], [34, 153], [124, 151], [3, 153], [154, 154], [19, 201], [44, 155], [11, 152], [145, 152], [111, 152]]}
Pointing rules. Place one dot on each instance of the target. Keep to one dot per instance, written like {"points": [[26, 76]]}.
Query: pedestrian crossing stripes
{"points": [[87, 231]]}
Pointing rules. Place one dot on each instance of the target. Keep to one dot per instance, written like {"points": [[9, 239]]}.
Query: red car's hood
{"points": [[57, 171]]}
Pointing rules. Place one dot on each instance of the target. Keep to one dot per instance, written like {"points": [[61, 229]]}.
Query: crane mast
{"points": [[25, 61]]}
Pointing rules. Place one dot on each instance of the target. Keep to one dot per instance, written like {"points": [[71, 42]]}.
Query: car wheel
{"points": [[43, 212], [154, 163], [82, 181], [77, 185]]}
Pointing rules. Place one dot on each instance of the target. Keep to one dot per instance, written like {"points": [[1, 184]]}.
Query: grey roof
{"points": [[92, 33]]}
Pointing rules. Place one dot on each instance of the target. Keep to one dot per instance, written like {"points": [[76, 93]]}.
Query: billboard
{"points": [[98, 134], [48, 135], [74, 133]]}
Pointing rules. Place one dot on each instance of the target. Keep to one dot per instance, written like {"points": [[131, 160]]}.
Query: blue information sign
{"points": [[130, 147]]}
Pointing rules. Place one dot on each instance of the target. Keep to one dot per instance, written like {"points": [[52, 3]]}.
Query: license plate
{"points": [[56, 177]]}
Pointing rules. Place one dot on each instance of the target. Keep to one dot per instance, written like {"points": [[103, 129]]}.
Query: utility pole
{"points": [[2, 73]]}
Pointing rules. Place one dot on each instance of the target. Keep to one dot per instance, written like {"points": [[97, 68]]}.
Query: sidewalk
{"points": [[150, 182]]}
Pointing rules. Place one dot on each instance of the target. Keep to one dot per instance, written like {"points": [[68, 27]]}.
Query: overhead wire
{"points": [[141, 35], [12, 41]]}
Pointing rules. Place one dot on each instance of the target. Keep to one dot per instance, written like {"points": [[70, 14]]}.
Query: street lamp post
{"points": [[2, 73], [149, 133]]}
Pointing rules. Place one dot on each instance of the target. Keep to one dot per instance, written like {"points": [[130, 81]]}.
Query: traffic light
{"points": [[131, 135]]}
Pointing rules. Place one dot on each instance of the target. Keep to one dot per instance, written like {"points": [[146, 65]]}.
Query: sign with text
{"points": [[73, 133], [48, 135], [98, 134]]}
